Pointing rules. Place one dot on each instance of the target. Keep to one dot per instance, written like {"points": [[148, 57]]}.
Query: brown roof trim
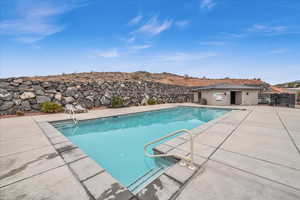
{"points": [[227, 87]]}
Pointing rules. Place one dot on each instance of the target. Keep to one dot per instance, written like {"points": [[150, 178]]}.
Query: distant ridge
{"points": [[167, 78], [292, 84]]}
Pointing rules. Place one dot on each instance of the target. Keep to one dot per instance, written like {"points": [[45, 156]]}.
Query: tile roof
{"points": [[227, 86]]}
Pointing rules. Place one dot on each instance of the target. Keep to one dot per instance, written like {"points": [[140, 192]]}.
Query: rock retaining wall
{"points": [[17, 94]]}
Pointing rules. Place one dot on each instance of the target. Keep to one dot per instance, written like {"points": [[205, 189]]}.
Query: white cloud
{"points": [[135, 20], [127, 39], [29, 39], [35, 21], [182, 23], [233, 35], [262, 30], [278, 51], [207, 4], [110, 53], [213, 43], [118, 52], [183, 56], [267, 29], [139, 47], [154, 27], [130, 39]]}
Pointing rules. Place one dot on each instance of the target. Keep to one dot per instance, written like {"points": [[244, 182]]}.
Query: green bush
{"points": [[151, 101], [51, 107], [20, 113], [117, 102]]}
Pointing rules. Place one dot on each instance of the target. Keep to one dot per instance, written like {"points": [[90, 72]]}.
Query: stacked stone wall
{"points": [[17, 94]]}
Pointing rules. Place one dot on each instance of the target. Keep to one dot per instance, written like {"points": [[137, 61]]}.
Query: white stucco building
{"points": [[226, 94]]}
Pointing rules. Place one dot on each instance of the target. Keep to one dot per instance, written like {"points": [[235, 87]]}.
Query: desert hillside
{"points": [[293, 84], [167, 78]]}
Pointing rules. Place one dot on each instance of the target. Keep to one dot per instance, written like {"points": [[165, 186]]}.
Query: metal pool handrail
{"points": [[71, 113], [189, 159]]}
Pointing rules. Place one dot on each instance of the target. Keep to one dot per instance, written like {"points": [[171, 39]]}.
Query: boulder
{"points": [[4, 85], [16, 95], [37, 87], [17, 101], [76, 108], [78, 95], [14, 84], [32, 101], [18, 80], [25, 88], [10, 111], [80, 109], [69, 100], [6, 105], [86, 103], [46, 84], [70, 92], [25, 105], [86, 93], [42, 99], [61, 88], [51, 91], [49, 95], [145, 100], [97, 103], [27, 95], [105, 101], [36, 106], [5, 95], [126, 101], [58, 96], [90, 98], [100, 82], [27, 83], [108, 94], [39, 92]]}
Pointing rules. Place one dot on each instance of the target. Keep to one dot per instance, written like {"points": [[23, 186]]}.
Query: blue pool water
{"points": [[117, 143]]}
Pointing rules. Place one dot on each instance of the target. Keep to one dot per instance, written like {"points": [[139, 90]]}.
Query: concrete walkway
{"points": [[252, 154], [258, 159]]}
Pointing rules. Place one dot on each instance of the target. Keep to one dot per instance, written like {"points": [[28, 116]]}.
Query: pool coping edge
{"points": [[52, 134]]}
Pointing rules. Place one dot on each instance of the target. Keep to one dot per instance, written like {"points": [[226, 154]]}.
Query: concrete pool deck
{"points": [[246, 154]]}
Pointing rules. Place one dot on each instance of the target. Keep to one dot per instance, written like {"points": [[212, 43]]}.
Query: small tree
{"points": [[51, 107], [152, 101], [117, 102]]}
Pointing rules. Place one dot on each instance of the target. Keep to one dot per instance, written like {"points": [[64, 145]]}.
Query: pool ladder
{"points": [[71, 113], [189, 159]]}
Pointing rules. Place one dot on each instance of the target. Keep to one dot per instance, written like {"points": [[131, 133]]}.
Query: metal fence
{"points": [[285, 99]]}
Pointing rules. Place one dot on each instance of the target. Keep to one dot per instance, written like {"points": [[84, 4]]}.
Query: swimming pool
{"points": [[117, 143]]}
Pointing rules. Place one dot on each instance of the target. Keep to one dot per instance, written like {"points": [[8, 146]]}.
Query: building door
{"points": [[199, 97], [232, 97], [238, 97]]}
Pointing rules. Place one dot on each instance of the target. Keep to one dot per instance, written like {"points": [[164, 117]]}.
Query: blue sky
{"points": [[212, 38]]}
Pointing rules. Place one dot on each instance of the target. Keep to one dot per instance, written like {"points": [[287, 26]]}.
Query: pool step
{"points": [[144, 180]]}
